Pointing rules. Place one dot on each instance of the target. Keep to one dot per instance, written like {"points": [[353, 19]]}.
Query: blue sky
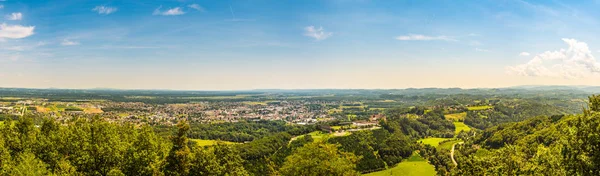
{"points": [[215, 45]]}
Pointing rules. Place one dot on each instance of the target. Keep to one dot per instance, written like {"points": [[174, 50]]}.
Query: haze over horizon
{"points": [[241, 45]]}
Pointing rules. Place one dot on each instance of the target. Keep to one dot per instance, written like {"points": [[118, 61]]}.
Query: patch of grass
{"points": [[432, 141], [412, 116], [478, 108], [255, 103], [336, 127], [460, 126], [415, 165], [318, 135], [203, 142], [456, 116], [448, 144], [377, 109]]}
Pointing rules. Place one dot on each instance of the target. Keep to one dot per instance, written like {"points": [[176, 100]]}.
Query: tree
{"points": [[319, 158], [178, 161], [28, 165], [144, 157], [219, 159]]}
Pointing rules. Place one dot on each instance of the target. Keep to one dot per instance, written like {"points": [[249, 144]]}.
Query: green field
{"points": [[203, 142], [456, 116], [255, 103], [477, 108], [433, 141], [316, 135], [336, 127], [448, 144], [415, 165], [460, 126]]}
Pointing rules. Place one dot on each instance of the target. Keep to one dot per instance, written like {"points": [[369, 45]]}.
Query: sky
{"points": [[307, 44]]}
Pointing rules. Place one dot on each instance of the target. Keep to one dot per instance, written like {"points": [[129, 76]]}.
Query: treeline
{"points": [[242, 131]]}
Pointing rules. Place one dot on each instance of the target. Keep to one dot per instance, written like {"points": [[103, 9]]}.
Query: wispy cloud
{"points": [[67, 42], [104, 10], [316, 33], [197, 7], [524, 54], [575, 62], [170, 12], [419, 37], [1, 6], [14, 16], [15, 31]]}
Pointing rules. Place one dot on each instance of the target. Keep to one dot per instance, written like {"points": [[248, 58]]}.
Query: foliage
{"points": [[319, 158], [414, 166]]}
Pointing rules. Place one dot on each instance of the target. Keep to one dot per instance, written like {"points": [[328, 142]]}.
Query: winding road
{"points": [[452, 153]]}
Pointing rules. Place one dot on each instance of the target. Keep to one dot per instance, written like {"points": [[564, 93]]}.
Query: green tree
{"points": [[219, 159], [178, 161], [28, 165], [319, 158], [145, 156]]}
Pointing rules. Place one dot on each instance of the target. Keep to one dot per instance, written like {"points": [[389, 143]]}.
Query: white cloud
{"points": [[15, 31], [420, 37], [67, 42], [197, 7], [575, 62], [316, 33], [481, 50], [14, 16], [170, 12], [524, 54], [104, 10]]}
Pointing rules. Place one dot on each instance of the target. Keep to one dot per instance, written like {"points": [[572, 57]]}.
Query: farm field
{"points": [[448, 144], [316, 135], [415, 165], [433, 141], [456, 116], [478, 108], [460, 126], [203, 142]]}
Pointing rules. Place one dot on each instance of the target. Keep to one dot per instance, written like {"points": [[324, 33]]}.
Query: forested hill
{"points": [[555, 145]]}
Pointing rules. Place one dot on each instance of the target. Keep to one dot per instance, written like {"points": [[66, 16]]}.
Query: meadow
{"points": [[478, 108], [204, 142], [432, 141], [460, 126], [415, 165], [456, 116], [448, 144]]}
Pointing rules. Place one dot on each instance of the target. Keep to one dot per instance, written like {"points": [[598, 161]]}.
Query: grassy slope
{"points": [[460, 126], [415, 165], [448, 144], [477, 108], [432, 141], [456, 116], [202, 142]]}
